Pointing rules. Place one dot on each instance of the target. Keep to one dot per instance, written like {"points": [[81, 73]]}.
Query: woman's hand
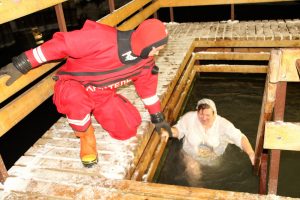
{"points": [[164, 135], [252, 157]]}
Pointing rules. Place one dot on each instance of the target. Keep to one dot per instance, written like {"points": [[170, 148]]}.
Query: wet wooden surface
{"points": [[52, 168]]}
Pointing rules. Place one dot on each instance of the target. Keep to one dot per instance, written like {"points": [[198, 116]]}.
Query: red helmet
{"points": [[150, 33]]}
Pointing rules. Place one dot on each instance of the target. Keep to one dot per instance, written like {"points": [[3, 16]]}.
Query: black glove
{"points": [[159, 121], [11, 71]]}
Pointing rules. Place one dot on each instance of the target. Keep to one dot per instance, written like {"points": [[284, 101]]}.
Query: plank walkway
{"points": [[51, 169]]}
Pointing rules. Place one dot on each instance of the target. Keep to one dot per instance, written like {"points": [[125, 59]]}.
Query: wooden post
{"points": [[275, 154], [3, 171], [267, 104], [155, 15], [171, 14], [263, 174], [60, 17], [111, 5], [232, 12]]}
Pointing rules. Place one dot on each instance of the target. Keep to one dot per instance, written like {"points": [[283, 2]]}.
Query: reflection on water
{"points": [[238, 98]]}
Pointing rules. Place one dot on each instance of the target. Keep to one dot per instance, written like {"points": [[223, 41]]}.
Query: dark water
{"points": [[238, 98]]}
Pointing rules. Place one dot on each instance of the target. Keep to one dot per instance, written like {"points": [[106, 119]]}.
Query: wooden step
{"points": [[282, 136], [23, 188]]}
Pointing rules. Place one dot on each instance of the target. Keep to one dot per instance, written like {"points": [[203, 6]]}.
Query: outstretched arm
{"points": [[248, 148]]}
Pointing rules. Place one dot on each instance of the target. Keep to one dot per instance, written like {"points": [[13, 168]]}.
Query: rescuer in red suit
{"points": [[99, 59]]}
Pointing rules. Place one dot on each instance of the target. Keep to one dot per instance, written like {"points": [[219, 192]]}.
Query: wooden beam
{"points": [[11, 10], [179, 73], [247, 43], [232, 68], [156, 159], [171, 14], [179, 3], [288, 70], [139, 17], [111, 5], [263, 174], [123, 13], [232, 14], [282, 135], [3, 171], [268, 102], [146, 158], [20, 107], [231, 56], [279, 109], [180, 94], [182, 98], [60, 18], [8, 91], [119, 189], [178, 90]]}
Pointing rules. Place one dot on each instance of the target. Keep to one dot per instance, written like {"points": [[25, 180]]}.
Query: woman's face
{"points": [[206, 116]]}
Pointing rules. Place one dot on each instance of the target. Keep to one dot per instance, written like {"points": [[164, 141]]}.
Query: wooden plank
{"points": [[267, 107], [22, 188], [179, 3], [247, 43], [183, 60], [231, 56], [175, 96], [146, 157], [124, 12], [8, 91], [282, 135], [263, 174], [274, 171], [3, 171], [156, 159], [179, 192], [288, 70], [19, 108], [60, 18], [279, 109], [139, 17], [178, 107], [232, 68], [10, 10]]}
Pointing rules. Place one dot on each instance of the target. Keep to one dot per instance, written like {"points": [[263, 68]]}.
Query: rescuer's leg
{"points": [[72, 99], [117, 116]]}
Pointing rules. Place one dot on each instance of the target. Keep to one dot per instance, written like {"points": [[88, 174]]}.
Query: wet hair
{"points": [[204, 106]]}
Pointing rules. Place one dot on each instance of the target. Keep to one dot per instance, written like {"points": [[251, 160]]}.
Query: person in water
{"points": [[205, 137]]}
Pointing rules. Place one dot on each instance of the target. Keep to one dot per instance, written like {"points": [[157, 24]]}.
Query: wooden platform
{"points": [[51, 169]]}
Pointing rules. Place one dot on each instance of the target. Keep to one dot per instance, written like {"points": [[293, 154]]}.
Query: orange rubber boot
{"points": [[88, 151]]}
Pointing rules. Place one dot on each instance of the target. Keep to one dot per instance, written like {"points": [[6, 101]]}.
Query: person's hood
{"points": [[209, 102], [150, 33]]}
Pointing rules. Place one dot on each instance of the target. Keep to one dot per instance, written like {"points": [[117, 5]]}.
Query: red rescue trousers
{"points": [[113, 111]]}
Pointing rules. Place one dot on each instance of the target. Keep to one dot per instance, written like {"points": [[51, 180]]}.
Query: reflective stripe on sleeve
{"points": [[80, 122], [150, 100], [38, 55]]}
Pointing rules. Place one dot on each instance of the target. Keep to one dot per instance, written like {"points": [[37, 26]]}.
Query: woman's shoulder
{"points": [[223, 121]]}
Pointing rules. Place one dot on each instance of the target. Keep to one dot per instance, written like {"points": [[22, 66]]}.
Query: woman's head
{"points": [[207, 111]]}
